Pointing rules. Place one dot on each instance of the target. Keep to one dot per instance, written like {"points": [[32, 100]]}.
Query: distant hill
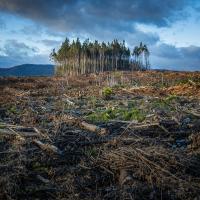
{"points": [[28, 70]]}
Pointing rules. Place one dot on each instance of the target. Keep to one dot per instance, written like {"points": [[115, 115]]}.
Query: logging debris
{"points": [[50, 149]]}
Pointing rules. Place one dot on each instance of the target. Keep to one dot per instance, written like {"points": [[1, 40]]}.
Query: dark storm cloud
{"points": [[98, 19], [88, 15], [172, 52], [192, 52], [171, 57], [167, 51]]}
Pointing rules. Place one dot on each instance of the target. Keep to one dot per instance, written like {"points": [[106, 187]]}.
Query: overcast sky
{"points": [[30, 29]]}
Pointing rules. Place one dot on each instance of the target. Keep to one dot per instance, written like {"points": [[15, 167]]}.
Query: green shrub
{"points": [[91, 151], [107, 92], [133, 114], [116, 113], [165, 103], [98, 117]]}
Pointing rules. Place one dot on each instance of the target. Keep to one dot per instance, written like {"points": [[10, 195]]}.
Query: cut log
{"points": [[84, 125], [94, 128], [12, 132], [124, 122], [47, 147], [141, 126], [6, 132]]}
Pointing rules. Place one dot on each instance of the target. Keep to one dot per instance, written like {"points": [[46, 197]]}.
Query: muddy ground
{"points": [[118, 135]]}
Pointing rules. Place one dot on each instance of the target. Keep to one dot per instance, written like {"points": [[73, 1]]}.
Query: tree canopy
{"points": [[76, 57]]}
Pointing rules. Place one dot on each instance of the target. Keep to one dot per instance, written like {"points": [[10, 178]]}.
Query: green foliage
{"points": [[160, 103], [140, 52], [99, 117], [91, 151], [76, 57], [117, 113], [133, 114], [107, 92], [165, 103]]}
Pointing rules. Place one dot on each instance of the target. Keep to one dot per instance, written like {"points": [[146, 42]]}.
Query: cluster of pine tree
{"points": [[74, 58]]}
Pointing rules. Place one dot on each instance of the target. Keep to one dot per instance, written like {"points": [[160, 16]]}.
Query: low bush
{"points": [[107, 93], [117, 113]]}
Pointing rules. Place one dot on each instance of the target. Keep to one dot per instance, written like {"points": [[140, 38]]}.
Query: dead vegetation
{"points": [[64, 140]]}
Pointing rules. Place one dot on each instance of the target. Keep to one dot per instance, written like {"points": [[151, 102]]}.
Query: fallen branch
{"points": [[124, 177], [68, 101], [193, 83], [93, 128], [90, 127], [42, 179], [192, 113], [47, 147]]}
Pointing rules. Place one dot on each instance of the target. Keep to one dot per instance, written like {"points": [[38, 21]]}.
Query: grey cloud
{"points": [[170, 51], [166, 50], [99, 19], [2, 24], [171, 57], [50, 43], [32, 30], [14, 53], [18, 49], [191, 51], [84, 15]]}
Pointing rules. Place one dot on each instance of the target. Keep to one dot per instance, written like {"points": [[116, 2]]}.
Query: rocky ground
{"points": [[117, 135]]}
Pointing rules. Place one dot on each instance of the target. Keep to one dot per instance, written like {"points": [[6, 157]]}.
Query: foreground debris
{"points": [[66, 145]]}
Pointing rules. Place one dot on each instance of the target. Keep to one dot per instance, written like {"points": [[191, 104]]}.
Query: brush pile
{"points": [[82, 164]]}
